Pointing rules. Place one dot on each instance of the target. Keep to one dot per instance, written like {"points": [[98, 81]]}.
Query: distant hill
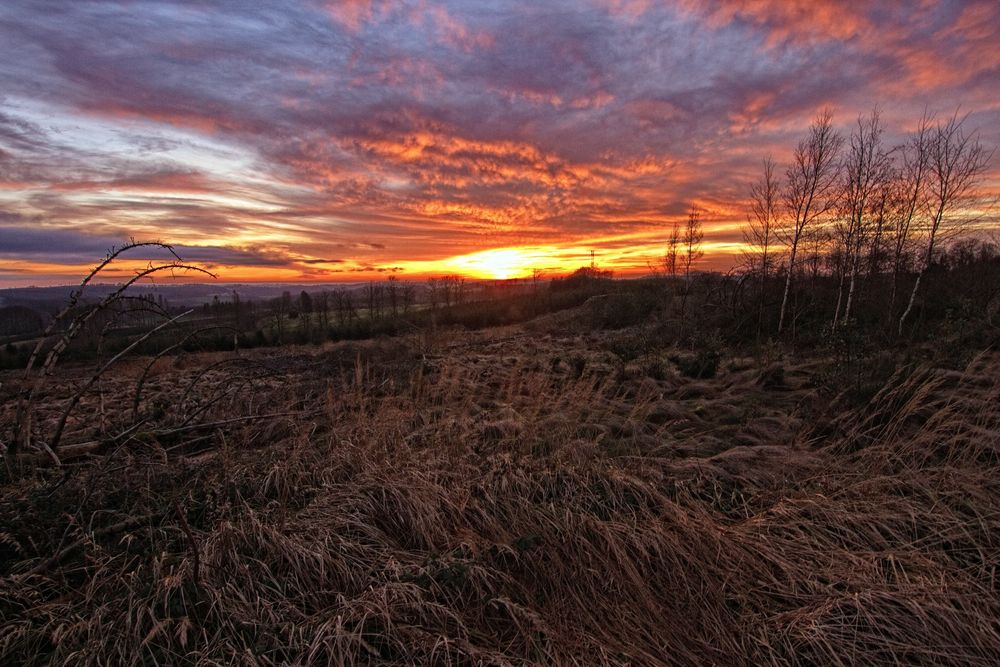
{"points": [[48, 299]]}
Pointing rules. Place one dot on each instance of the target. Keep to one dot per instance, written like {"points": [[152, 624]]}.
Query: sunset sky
{"points": [[325, 141]]}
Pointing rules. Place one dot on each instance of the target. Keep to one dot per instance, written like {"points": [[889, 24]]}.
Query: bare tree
{"points": [[447, 291], [693, 236], [758, 236], [345, 306], [375, 298], [956, 162], [393, 292], [673, 249], [322, 305], [434, 292], [811, 180], [451, 289], [909, 198], [691, 242], [866, 171], [882, 204], [816, 242], [305, 314], [409, 296]]}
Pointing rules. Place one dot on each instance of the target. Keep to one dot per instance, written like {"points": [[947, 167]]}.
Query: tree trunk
{"points": [[840, 299], [850, 297], [909, 306], [788, 286]]}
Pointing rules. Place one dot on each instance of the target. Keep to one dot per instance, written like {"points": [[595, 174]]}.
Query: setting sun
{"points": [[503, 263]]}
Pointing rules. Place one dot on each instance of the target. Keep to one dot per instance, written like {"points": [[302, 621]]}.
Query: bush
{"points": [[622, 309]]}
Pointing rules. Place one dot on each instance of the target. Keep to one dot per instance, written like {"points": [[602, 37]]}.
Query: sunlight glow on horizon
{"points": [[504, 263], [507, 263]]}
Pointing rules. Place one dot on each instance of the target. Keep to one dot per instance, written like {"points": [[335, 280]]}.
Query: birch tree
{"points": [[866, 170], [758, 235], [811, 181], [910, 198], [956, 161]]}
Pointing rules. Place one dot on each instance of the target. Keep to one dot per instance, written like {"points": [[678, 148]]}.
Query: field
{"points": [[613, 333], [515, 495]]}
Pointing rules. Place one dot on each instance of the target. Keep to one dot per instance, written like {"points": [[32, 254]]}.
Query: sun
{"points": [[500, 263]]}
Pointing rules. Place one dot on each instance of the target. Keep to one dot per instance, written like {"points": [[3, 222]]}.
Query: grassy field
{"points": [[510, 496]]}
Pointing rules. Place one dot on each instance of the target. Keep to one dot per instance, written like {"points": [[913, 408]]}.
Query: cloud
{"points": [[275, 135], [351, 14], [73, 247], [167, 180], [20, 242]]}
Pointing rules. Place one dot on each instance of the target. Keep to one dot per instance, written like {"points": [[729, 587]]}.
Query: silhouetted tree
{"points": [[811, 180], [866, 171], [409, 296], [956, 162], [392, 290], [691, 242], [758, 236], [670, 257], [322, 306], [910, 199]]}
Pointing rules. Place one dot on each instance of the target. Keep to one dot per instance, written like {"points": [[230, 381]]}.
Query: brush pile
{"points": [[487, 507]]}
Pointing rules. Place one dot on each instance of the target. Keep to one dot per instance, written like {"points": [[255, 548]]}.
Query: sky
{"points": [[324, 141]]}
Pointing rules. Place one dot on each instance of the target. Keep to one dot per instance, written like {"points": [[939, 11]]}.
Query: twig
{"points": [[54, 443], [81, 448], [162, 353], [192, 427]]}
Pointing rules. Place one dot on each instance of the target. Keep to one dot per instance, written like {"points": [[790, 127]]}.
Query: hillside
{"points": [[512, 496]]}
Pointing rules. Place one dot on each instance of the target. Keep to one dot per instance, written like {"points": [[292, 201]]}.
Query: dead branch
{"points": [[27, 397], [127, 524], [136, 398], [54, 442]]}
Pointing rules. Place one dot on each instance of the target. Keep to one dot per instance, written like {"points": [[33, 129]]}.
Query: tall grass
{"points": [[489, 504]]}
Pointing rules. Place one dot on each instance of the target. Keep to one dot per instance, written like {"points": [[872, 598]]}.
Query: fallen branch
{"points": [[192, 427], [134, 522]]}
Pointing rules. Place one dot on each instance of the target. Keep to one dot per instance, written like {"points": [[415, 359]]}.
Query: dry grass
{"points": [[488, 504]]}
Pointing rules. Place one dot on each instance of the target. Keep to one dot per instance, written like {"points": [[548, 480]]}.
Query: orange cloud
{"points": [[817, 20]]}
